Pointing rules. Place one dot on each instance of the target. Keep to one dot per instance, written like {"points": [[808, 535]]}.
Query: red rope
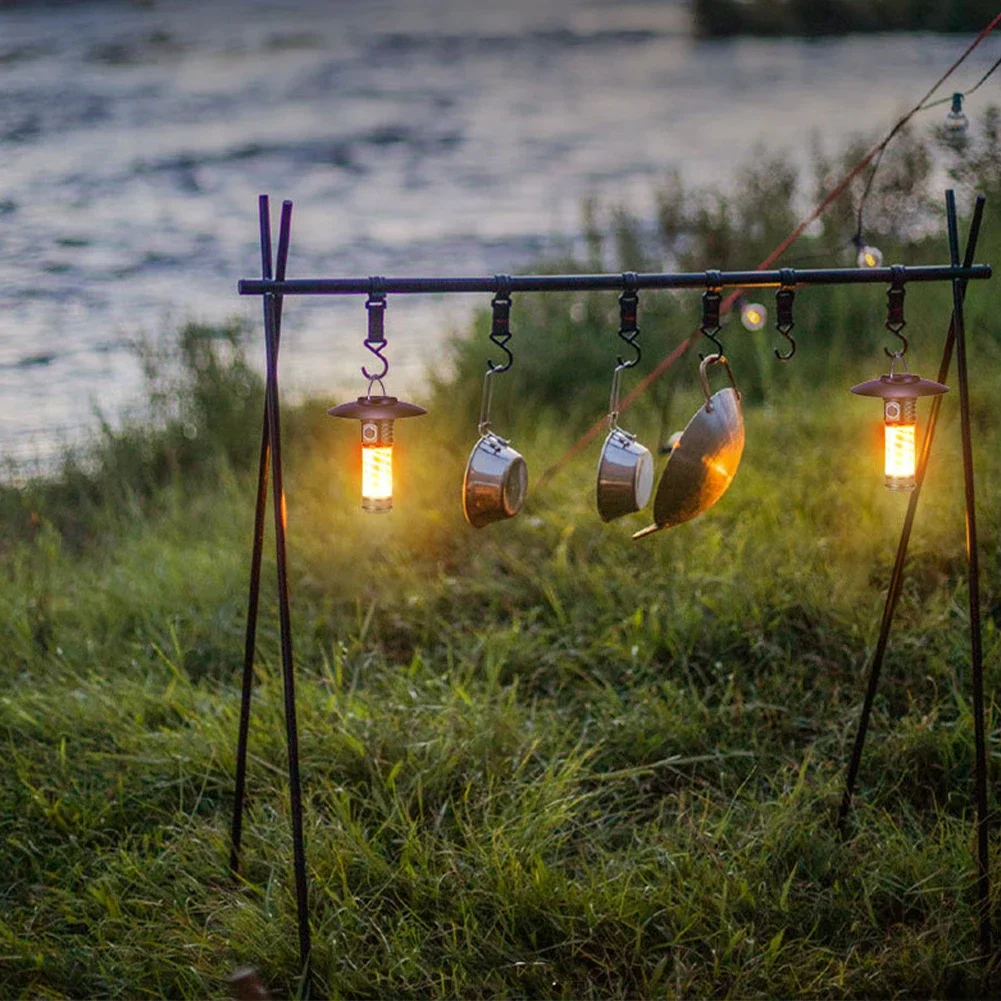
{"points": [[652, 376]]}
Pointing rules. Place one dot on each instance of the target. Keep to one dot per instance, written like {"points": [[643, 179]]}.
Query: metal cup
{"points": [[495, 483], [625, 475]]}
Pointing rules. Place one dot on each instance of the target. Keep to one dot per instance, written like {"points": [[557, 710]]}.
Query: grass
{"points": [[539, 760]]}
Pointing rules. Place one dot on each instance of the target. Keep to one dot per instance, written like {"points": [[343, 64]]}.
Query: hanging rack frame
{"points": [[273, 287]]}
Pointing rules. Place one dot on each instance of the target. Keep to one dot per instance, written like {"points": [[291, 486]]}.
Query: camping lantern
{"points": [[899, 393], [377, 415]]}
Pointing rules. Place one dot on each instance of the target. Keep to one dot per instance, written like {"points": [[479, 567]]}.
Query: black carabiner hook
{"points": [[500, 328], [895, 321], [376, 339], [783, 316], [629, 330], [711, 299]]}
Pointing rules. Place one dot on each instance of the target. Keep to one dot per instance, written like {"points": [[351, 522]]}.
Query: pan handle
{"points": [[714, 360]]}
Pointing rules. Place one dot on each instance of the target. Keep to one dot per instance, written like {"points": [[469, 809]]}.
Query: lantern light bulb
{"points": [[956, 122], [870, 257], [377, 466], [901, 462], [753, 315]]}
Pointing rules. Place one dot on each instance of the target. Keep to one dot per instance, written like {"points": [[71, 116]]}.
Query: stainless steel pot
{"points": [[625, 468], [495, 483], [496, 479], [704, 459]]}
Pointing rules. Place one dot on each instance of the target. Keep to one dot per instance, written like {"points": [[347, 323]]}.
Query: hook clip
{"points": [[629, 329], [784, 323], [500, 329], [376, 339], [895, 321], [711, 300]]}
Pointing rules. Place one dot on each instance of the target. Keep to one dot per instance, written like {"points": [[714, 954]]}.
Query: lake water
{"points": [[414, 139]]}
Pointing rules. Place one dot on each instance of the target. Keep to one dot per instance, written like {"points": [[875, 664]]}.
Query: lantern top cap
{"points": [[377, 408], [899, 386]]}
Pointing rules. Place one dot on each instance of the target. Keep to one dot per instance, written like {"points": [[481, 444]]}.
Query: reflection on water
{"points": [[134, 141]]}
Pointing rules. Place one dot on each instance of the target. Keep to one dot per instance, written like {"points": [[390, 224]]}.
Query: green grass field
{"points": [[539, 760]]}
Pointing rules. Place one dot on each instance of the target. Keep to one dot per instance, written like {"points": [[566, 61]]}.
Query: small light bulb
{"points": [[870, 257], [956, 122], [753, 315]]}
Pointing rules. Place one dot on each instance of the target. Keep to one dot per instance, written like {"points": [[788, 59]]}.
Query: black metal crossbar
{"points": [[616, 282], [273, 287]]}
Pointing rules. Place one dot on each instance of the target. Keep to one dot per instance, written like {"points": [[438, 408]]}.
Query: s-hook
{"points": [[500, 328], [500, 334], [376, 339], [784, 323], [895, 321], [629, 330], [711, 300]]}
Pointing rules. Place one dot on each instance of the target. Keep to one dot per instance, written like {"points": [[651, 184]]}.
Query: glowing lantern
{"points": [[753, 315], [377, 415], [899, 393]]}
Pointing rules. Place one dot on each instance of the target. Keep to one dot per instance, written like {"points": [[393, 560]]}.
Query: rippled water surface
{"points": [[134, 140]]}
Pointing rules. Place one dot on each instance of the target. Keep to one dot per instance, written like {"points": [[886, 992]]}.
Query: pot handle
{"points": [[613, 400], [486, 402], [715, 360]]}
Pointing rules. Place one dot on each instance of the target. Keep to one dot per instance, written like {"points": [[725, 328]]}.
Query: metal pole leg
{"points": [[258, 546], [258, 531], [897, 577], [973, 566], [291, 728]]}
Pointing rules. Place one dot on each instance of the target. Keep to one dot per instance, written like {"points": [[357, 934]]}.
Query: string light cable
{"points": [[924, 104], [818, 210]]}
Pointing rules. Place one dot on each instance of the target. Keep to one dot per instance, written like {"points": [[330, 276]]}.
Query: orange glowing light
{"points": [[901, 462], [377, 477]]}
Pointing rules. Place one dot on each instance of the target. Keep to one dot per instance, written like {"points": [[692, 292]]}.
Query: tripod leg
{"points": [[897, 576]]}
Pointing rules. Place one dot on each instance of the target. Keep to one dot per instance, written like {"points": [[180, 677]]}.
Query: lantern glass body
{"points": [[753, 315], [377, 466], [870, 257], [900, 423]]}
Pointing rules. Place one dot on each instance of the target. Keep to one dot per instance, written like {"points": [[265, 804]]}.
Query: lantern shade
{"points": [[899, 386], [376, 408]]}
